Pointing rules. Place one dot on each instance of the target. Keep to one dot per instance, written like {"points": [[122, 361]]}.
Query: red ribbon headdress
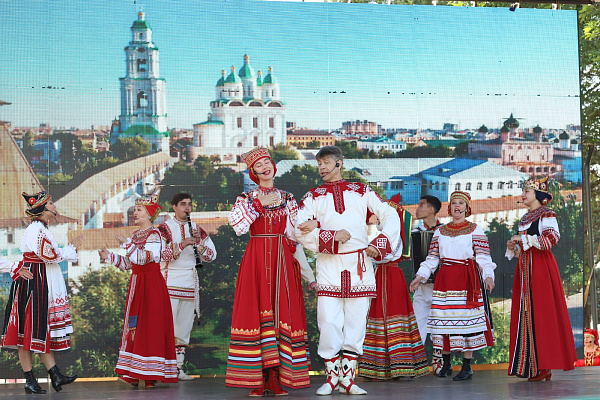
{"points": [[150, 202]]}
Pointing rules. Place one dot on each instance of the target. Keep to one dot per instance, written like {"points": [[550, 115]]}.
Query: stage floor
{"points": [[582, 383]]}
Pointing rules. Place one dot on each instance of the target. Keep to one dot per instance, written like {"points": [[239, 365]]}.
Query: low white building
{"points": [[382, 143], [481, 179]]}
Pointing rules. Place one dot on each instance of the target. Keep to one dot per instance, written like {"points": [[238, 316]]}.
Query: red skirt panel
{"points": [[147, 344], [392, 345], [541, 336], [268, 327]]}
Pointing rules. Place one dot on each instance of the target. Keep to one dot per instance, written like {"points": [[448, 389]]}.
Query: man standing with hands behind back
{"points": [[181, 275], [332, 223]]}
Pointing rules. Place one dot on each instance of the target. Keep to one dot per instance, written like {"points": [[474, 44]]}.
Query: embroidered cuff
{"points": [[258, 207], [509, 254], [327, 243], [14, 273], [383, 246]]}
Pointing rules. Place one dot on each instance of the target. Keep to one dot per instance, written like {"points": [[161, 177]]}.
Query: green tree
{"points": [[69, 152], [462, 149], [283, 152], [98, 306], [28, 144], [130, 148]]}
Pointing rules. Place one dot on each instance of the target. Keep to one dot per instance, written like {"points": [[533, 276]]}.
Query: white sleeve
{"points": [[306, 213], [305, 270], [387, 240], [481, 247], [5, 265], [150, 253], [244, 213], [432, 261]]}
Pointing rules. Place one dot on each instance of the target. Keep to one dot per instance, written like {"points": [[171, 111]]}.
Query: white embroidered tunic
{"points": [[343, 269]]}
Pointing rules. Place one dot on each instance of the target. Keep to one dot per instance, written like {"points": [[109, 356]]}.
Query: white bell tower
{"points": [[143, 94]]}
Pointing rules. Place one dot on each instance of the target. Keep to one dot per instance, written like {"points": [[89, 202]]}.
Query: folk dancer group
{"points": [[367, 323]]}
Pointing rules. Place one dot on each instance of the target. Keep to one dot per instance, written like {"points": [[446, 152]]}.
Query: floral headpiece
{"points": [[36, 203], [150, 202], [463, 196]]}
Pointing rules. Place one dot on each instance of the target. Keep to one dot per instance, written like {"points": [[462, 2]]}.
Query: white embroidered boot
{"points": [[180, 354], [347, 385], [332, 369]]}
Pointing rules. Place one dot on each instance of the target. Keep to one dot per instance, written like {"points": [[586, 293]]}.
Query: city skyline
{"points": [[423, 71]]}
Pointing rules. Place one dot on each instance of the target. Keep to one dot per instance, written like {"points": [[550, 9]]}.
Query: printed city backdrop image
{"points": [[101, 102]]}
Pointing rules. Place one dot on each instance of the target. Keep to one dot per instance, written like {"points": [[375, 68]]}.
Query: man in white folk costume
{"points": [[332, 223], [181, 275], [428, 223]]}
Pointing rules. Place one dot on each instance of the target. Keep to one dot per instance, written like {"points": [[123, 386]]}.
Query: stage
{"points": [[582, 383]]}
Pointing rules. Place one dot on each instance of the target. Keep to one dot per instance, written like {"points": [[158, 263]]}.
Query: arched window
{"points": [[510, 184], [457, 186], [468, 186], [142, 65], [142, 99], [490, 185], [437, 186], [479, 186], [500, 185]]}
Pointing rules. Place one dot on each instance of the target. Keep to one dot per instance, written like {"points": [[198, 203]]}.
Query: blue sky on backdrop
{"points": [[401, 66]]}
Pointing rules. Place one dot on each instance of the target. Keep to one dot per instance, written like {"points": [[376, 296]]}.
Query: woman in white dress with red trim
{"points": [[38, 318], [459, 320]]}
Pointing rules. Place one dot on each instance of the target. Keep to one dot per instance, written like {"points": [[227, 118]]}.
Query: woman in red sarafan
{"points": [[269, 343], [541, 337], [591, 350], [147, 349]]}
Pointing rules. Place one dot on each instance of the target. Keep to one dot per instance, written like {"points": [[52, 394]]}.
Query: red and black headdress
{"points": [[36, 203]]}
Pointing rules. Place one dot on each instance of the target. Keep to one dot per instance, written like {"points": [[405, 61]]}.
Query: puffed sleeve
{"points": [[244, 212], [481, 247], [206, 247], [5, 265], [151, 251], [292, 217], [311, 240], [432, 261], [389, 222], [549, 233], [45, 247]]}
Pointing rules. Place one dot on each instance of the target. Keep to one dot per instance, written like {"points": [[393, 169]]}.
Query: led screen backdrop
{"points": [[105, 100]]}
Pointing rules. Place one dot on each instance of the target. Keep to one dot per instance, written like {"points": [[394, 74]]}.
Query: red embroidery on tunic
{"points": [[337, 190], [338, 199], [383, 246], [46, 250], [327, 244], [346, 283]]}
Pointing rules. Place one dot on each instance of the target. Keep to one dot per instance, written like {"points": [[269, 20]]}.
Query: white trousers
{"points": [[342, 324], [183, 320], [422, 305]]}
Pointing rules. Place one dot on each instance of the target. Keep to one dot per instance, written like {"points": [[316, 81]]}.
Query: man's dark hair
{"points": [[179, 197], [433, 202], [332, 151]]}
